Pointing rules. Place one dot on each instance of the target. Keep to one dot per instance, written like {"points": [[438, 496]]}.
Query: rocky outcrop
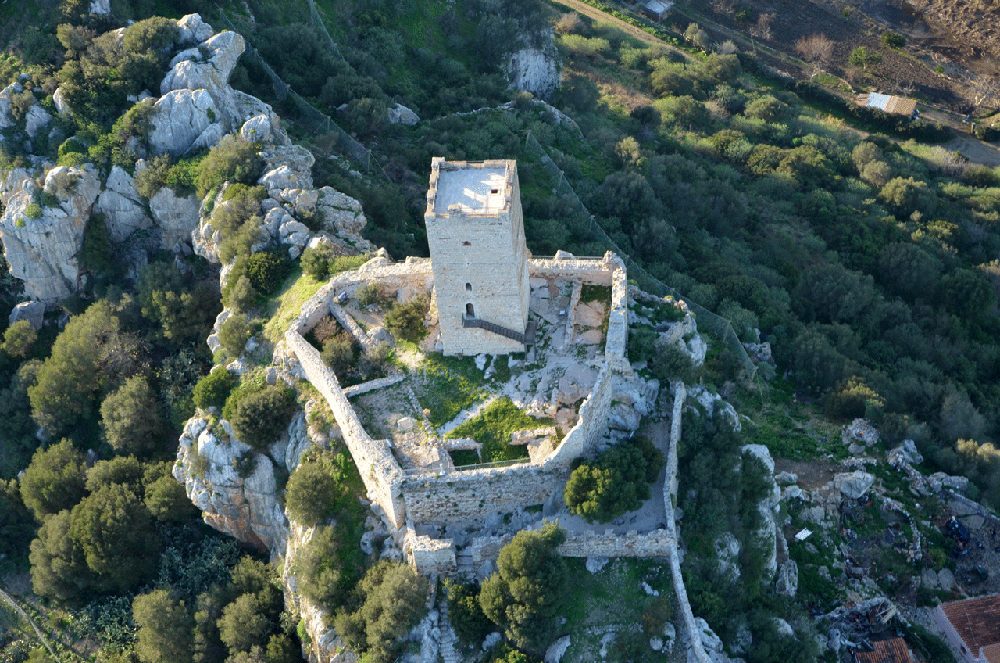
{"points": [[287, 167], [769, 507], [179, 120], [43, 251], [193, 30], [33, 312], [36, 119], [536, 70], [6, 119], [177, 217], [400, 114], [208, 68], [122, 206]]}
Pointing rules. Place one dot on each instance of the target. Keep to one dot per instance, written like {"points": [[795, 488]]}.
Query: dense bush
{"points": [[231, 160], [465, 614], [213, 389], [406, 321], [131, 418], [54, 480], [330, 566], [267, 271], [19, 339], [234, 334], [317, 490], [616, 482], [262, 416]]}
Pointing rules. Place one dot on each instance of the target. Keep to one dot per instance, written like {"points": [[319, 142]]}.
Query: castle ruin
{"points": [[475, 231]]}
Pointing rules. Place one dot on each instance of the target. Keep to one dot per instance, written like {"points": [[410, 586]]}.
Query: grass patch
{"points": [[492, 428], [286, 305], [448, 385]]}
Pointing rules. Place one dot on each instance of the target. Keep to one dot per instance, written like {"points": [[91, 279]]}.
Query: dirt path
{"points": [[975, 150]]}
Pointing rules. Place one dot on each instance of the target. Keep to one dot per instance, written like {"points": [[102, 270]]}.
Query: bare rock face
{"points": [[341, 214], [43, 251], [191, 72], [14, 181], [33, 312], [6, 121], [37, 119], [287, 164], [536, 70], [100, 7], [60, 101], [400, 114], [769, 508], [179, 120], [177, 217], [122, 206], [193, 30]]}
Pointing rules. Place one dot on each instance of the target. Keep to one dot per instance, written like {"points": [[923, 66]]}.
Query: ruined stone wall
{"points": [[476, 494], [430, 556], [380, 472], [373, 385], [657, 543]]}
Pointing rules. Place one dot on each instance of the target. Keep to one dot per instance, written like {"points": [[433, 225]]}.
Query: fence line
{"points": [[315, 121], [707, 320], [317, 21], [6, 597]]}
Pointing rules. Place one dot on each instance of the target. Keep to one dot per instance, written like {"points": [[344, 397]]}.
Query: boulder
{"points": [[211, 74], [400, 114], [905, 454], [33, 312], [727, 551], [340, 214], [297, 160], [6, 120], [783, 628], [179, 119], [595, 564], [282, 177], [257, 130], [36, 119], [122, 206], [193, 30], [176, 216], [557, 650], [100, 7], [59, 99], [787, 581], [16, 179], [43, 252], [853, 485]]}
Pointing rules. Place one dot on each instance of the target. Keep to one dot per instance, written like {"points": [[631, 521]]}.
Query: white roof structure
{"points": [[472, 189], [658, 7], [879, 101]]}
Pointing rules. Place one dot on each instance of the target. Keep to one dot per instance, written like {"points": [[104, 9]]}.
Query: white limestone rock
{"points": [[59, 99], [33, 312], [179, 119], [400, 114], [15, 180], [905, 454], [297, 160], [727, 551], [122, 206], [282, 177], [787, 581], [536, 70], [595, 564], [100, 7], [176, 216], [557, 650], [43, 252], [853, 485], [193, 30], [257, 130], [36, 119], [211, 75], [6, 120], [784, 628]]}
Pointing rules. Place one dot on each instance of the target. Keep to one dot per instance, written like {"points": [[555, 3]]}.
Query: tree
{"points": [[616, 482], [167, 501], [16, 524], [58, 566], [817, 48], [528, 589], [114, 531], [181, 307], [131, 417], [164, 628], [862, 57], [19, 339], [122, 470], [314, 493], [70, 379], [393, 598], [767, 108], [261, 417], [329, 567], [213, 389], [893, 40], [697, 37], [242, 625], [54, 480], [234, 334], [406, 321]]}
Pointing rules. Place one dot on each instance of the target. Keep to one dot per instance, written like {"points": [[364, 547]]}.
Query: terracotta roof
{"points": [[893, 650], [977, 621]]}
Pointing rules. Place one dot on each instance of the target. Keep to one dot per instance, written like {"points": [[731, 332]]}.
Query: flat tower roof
{"points": [[476, 189]]}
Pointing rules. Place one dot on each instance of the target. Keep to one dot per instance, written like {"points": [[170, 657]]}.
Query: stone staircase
{"points": [[527, 337], [447, 639], [464, 565]]}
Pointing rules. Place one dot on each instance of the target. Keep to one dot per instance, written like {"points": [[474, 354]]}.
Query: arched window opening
{"points": [[468, 287], [469, 311]]}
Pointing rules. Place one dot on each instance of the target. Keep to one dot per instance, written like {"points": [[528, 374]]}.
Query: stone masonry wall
{"points": [[430, 556], [380, 472], [589, 544], [476, 494]]}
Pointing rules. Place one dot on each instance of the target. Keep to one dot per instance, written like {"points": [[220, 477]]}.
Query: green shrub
{"points": [[316, 261], [232, 160], [152, 178], [328, 566], [213, 389], [19, 338], [406, 321], [368, 294], [466, 615], [893, 40], [33, 211], [234, 334], [261, 417], [616, 482], [267, 271]]}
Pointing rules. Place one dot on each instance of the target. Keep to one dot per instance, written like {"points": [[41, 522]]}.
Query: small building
{"points": [[889, 104], [892, 650], [655, 9], [475, 232], [973, 627]]}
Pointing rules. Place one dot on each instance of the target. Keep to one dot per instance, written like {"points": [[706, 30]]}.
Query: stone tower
{"points": [[479, 257]]}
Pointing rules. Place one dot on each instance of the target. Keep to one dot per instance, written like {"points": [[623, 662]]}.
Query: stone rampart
{"points": [[373, 385], [657, 543], [590, 271], [477, 494], [592, 424], [380, 472]]}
